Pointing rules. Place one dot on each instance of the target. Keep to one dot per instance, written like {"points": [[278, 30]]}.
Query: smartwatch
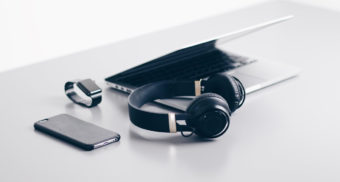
{"points": [[83, 92]]}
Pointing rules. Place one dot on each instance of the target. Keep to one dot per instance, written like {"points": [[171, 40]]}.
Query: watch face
{"points": [[88, 87]]}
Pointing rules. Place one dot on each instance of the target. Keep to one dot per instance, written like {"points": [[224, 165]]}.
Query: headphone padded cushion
{"points": [[192, 108], [206, 113], [226, 86]]}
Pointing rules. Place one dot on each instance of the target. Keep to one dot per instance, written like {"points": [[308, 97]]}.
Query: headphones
{"points": [[208, 115]]}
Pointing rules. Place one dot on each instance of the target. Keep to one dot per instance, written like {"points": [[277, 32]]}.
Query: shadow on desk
{"points": [[190, 153]]}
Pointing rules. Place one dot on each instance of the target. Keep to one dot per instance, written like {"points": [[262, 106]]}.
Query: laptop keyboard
{"points": [[181, 65]]}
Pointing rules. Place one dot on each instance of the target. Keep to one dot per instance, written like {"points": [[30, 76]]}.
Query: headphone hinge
{"points": [[172, 122], [199, 87], [203, 82]]}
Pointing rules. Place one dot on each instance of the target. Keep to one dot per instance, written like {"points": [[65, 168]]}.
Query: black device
{"points": [[208, 115], [77, 132], [88, 93]]}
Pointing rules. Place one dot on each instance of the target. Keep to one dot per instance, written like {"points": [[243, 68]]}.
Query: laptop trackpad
{"points": [[248, 81], [180, 103]]}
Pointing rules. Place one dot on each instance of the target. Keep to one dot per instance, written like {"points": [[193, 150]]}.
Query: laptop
{"points": [[202, 59]]}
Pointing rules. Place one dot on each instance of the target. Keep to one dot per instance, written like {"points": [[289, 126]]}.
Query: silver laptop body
{"points": [[254, 75]]}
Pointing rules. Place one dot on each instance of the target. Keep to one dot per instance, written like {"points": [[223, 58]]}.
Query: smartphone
{"points": [[77, 132]]}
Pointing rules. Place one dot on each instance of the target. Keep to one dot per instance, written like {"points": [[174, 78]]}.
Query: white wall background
{"points": [[37, 30]]}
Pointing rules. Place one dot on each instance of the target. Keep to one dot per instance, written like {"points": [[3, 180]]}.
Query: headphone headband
{"points": [[161, 122]]}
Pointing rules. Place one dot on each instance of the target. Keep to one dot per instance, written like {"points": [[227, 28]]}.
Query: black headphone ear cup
{"points": [[209, 114], [228, 87]]}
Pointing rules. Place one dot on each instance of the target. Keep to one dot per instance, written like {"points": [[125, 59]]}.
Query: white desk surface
{"points": [[287, 132]]}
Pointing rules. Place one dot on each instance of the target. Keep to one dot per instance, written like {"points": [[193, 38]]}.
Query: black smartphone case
{"points": [[77, 132]]}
